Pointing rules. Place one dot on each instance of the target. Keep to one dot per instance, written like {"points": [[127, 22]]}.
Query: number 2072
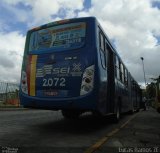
{"points": [[54, 82]]}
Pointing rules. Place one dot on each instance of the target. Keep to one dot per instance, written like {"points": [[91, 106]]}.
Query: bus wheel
{"points": [[116, 116], [71, 114], [96, 114], [158, 109], [131, 111]]}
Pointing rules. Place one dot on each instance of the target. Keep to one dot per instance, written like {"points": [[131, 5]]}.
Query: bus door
{"points": [[111, 79]]}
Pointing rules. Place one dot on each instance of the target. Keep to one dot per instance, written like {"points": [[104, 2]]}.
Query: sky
{"points": [[133, 26]]}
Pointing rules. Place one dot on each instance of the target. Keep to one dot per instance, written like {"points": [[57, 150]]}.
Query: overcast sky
{"points": [[134, 25]]}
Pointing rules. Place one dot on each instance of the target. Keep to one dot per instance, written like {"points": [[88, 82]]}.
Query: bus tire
{"points": [[131, 112], [116, 116], [70, 114], [158, 109]]}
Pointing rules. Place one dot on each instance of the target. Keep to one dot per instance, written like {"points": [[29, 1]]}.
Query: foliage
{"points": [[151, 90]]}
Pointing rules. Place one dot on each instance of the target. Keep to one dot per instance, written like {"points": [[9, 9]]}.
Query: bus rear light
{"points": [[89, 72], [87, 80], [23, 82], [24, 86], [86, 88]]}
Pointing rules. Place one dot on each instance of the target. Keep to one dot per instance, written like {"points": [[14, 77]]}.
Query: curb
{"points": [[13, 109]]}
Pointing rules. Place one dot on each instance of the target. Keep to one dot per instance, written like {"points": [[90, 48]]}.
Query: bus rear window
{"points": [[58, 38]]}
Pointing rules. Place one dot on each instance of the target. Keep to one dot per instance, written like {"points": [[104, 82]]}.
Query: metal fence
{"points": [[9, 94]]}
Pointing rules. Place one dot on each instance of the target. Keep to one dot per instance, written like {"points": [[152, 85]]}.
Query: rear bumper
{"points": [[87, 102]]}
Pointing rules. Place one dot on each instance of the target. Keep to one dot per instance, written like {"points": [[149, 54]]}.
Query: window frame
{"points": [[102, 48], [117, 67], [125, 76]]}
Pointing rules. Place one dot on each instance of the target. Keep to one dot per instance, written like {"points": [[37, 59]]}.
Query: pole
{"points": [[6, 93], [143, 71]]}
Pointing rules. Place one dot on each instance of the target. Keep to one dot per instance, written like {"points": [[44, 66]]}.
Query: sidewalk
{"points": [[142, 134], [12, 108]]}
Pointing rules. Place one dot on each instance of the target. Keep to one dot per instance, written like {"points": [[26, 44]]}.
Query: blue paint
{"points": [[54, 62]]}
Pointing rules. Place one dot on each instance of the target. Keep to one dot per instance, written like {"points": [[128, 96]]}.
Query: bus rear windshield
{"points": [[58, 38]]}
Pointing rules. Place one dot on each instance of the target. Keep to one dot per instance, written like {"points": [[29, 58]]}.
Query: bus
{"points": [[72, 66]]}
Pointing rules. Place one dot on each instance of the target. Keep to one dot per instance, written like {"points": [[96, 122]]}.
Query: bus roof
{"points": [[59, 22]]}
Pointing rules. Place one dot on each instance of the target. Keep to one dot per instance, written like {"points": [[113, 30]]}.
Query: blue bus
{"points": [[71, 65]]}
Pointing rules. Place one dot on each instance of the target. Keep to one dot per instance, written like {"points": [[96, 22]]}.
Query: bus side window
{"points": [[117, 68], [102, 49], [125, 77], [106, 53], [121, 72], [101, 36]]}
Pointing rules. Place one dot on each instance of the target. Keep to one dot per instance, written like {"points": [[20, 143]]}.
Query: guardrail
{"points": [[9, 94]]}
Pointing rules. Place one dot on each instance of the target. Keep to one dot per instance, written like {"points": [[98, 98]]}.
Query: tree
{"points": [[151, 91]]}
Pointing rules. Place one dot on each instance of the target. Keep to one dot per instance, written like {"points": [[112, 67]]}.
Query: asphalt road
{"points": [[47, 131]]}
